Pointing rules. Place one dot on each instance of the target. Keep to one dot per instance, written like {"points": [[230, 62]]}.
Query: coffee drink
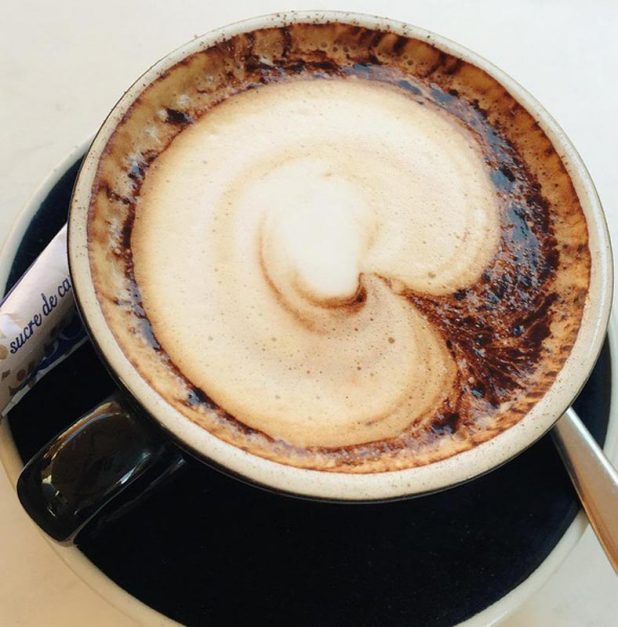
{"points": [[338, 248]]}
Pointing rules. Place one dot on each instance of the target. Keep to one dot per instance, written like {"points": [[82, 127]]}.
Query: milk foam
{"points": [[275, 241]]}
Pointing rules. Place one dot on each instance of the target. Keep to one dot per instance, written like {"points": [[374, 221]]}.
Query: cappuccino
{"points": [[338, 248]]}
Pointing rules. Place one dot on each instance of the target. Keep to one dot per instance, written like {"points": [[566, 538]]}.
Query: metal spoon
{"points": [[594, 478]]}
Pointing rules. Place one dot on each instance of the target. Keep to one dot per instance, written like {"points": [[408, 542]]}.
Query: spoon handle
{"points": [[594, 478]]}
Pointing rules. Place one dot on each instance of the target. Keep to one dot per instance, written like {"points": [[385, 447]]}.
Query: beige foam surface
{"points": [[274, 275]]}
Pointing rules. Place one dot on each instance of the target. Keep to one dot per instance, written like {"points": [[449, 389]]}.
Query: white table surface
{"points": [[64, 63]]}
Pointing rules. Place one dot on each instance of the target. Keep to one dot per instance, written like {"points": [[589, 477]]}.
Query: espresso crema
{"points": [[338, 248]]}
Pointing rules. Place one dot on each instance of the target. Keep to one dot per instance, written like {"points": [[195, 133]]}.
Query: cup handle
{"points": [[71, 479]]}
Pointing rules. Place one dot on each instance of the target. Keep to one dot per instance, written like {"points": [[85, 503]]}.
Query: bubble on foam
{"points": [[306, 211]]}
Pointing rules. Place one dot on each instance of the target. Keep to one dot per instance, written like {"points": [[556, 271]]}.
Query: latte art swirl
{"points": [[314, 209], [336, 248]]}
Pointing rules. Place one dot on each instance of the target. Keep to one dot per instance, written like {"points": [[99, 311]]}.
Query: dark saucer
{"points": [[205, 549]]}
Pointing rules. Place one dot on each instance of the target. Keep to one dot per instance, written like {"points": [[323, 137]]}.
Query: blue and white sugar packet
{"points": [[39, 324]]}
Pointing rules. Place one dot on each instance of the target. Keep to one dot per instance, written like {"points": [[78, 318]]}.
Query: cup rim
{"points": [[337, 485], [88, 572]]}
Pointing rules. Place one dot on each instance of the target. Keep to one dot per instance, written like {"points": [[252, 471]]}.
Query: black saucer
{"points": [[205, 549]]}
